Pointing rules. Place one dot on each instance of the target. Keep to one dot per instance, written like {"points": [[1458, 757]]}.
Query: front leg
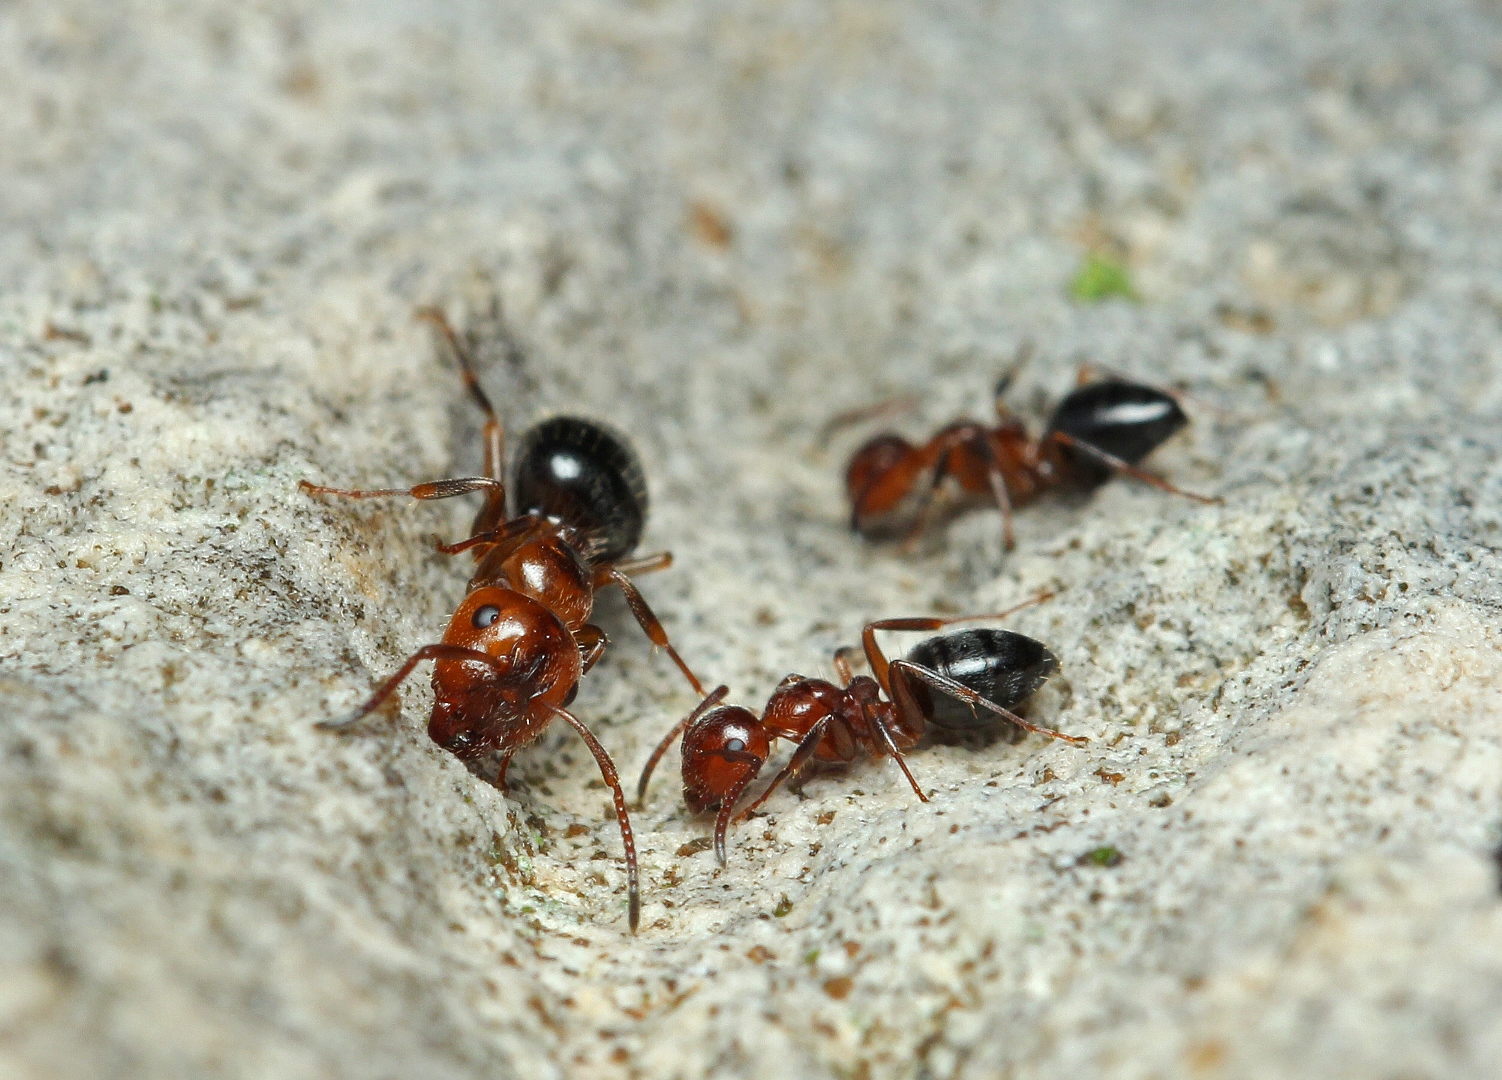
{"points": [[806, 747], [591, 641], [667, 740], [435, 489]]}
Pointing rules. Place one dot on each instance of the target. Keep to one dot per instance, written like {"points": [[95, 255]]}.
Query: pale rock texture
{"points": [[716, 225]]}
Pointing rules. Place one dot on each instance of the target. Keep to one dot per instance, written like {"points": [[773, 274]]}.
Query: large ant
{"points": [[941, 682], [1099, 429], [510, 661]]}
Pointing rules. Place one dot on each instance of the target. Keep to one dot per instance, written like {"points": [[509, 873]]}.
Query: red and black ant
{"points": [[941, 682], [1099, 429], [510, 661]]}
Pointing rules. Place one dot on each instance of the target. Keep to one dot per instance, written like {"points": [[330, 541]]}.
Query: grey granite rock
{"points": [[717, 225]]}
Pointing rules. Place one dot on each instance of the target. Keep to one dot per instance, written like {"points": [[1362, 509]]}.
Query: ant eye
{"points": [[486, 615], [734, 745]]}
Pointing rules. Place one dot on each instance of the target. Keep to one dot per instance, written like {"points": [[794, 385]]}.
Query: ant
{"points": [[511, 659], [941, 682], [1101, 428]]}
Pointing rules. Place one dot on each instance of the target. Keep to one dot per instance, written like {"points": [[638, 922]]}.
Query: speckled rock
{"points": [[716, 226]]}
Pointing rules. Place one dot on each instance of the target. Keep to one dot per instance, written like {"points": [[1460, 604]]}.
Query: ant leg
{"points": [[682, 725], [1111, 461], [891, 745], [491, 513], [427, 652], [878, 660], [806, 747], [925, 506], [1023, 354], [904, 699], [842, 665], [972, 439], [495, 434], [512, 528], [646, 564], [613, 781], [494, 510], [998, 482], [500, 776], [591, 641], [1004, 501], [1089, 372], [437, 489], [840, 421], [610, 575]]}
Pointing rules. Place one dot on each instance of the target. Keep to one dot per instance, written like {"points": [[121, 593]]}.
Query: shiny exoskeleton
{"points": [[961, 681], [1101, 428], [511, 659]]}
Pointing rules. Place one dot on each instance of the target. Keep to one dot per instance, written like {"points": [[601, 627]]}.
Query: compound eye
{"points": [[735, 746], [486, 615]]}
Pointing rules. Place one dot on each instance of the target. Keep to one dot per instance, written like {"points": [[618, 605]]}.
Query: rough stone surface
{"points": [[717, 225]]}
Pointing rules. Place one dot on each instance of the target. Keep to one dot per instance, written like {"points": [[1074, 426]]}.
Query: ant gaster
{"points": [[943, 681], [510, 661], [1101, 428]]}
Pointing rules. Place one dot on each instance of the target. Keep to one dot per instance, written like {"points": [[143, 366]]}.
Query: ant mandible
{"points": [[1101, 428], [941, 682], [510, 661]]}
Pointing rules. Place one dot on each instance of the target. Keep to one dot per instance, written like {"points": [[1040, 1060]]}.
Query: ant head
{"points": [[451, 729], [533, 658], [873, 461], [722, 750], [1126, 420], [492, 620]]}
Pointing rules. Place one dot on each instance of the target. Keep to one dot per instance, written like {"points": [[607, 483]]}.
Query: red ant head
{"points": [[873, 461], [722, 750], [534, 663]]}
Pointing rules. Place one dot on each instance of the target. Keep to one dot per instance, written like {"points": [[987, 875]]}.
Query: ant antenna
{"points": [[1020, 360]]}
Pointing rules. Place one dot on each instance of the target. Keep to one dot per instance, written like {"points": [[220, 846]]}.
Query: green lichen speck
{"points": [[1104, 856], [1101, 278]]}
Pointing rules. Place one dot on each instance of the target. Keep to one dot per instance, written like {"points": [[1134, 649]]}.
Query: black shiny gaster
{"points": [[1124, 419], [998, 665], [586, 475]]}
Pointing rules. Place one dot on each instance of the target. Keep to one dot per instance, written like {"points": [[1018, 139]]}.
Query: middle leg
{"points": [[611, 575]]}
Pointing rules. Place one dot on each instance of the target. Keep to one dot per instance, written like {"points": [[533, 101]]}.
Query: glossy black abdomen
{"points": [[586, 475], [998, 665], [1124, 419]]}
